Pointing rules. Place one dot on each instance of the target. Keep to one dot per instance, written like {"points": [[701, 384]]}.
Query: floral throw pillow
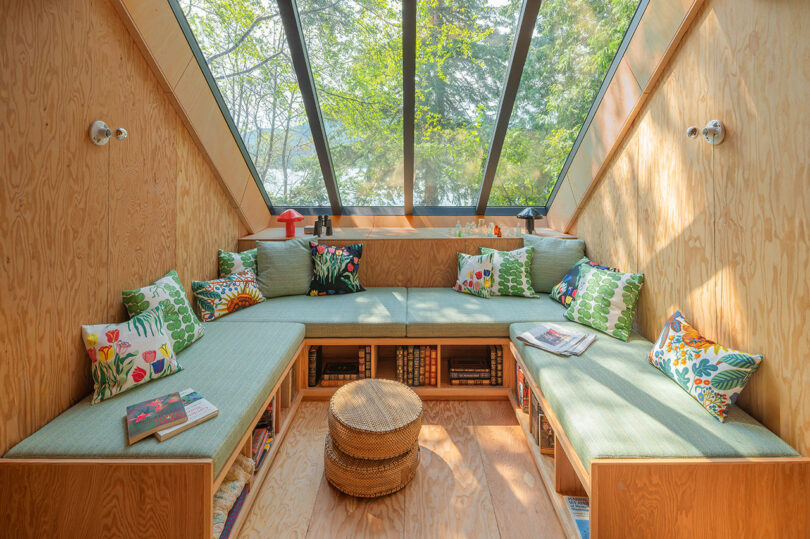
{"points": [[230, 263], [566, 290], [223, 296], [129, 354], [511, 272], [475, 274], [714, 375], [182, 325], [334, 269], [606, 300]]}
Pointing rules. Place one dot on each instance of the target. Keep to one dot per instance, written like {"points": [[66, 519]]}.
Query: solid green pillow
{"points": [[284, 268], [552, 259]]}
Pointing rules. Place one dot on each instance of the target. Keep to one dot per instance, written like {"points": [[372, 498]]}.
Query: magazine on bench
{"points": [[557, 339]]}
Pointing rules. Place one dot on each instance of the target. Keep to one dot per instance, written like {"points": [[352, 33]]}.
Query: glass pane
{"points": [[355, 52], [572, 48], [246, 49], [462, 52]]}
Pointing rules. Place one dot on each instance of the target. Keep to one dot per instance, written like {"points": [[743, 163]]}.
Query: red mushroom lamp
{"points": [[290, 217]]}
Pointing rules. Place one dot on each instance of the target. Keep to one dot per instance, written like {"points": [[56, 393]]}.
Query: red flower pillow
{"points": [[126, 355], [334, 269]]}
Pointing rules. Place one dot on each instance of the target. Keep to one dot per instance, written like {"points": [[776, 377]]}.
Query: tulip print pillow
{"points": [[475, 274], [511, 272], [334, 269], [714, 375], [230, 263], [126, 355], [223, 296], [182, 325]]}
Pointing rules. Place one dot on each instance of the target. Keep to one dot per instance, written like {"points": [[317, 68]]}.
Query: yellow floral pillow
{"points": [[129, 354]]}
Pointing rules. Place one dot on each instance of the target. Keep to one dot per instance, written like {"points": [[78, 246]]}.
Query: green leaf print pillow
{"points": [[511, 272], [230, 263], [606, 300], [182, 325]]}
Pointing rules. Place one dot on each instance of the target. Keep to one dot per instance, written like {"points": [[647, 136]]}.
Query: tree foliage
{"points": [[355, 51]]}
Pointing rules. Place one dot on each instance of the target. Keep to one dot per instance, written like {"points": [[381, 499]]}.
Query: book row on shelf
{"points": [[417, 365], [478, 371], [338, 372], [542, 435]]}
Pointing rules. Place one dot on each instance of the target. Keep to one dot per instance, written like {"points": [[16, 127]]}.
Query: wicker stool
{"points": [[372, 448]]}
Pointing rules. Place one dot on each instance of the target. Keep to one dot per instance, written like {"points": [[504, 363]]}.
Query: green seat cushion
{"points": [[552, 259], [443, 312], [376, 312], [284, 268], [234, 366], [612, 403]]}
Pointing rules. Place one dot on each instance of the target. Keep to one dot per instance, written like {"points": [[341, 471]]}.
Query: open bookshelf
{"points": [[383, 355]]}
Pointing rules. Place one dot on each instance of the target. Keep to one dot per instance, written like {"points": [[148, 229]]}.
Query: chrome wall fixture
{"points": [[100, 133], [714, 132]]}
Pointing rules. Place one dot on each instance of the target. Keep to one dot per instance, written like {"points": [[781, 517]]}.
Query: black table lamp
{"points": [[529, 215]]}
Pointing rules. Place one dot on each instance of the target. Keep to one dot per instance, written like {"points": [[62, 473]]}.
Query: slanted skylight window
{"points": [[573, 45], [462, 53], [355, 64]]}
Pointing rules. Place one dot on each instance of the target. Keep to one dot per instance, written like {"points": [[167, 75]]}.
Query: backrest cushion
{"points": [[474, 274], [221, 297], [334, 269], [714, 375], [284, 268], [129, 354], [182, 324], [511, 272], [230, 263], [552, 259], [606, 300]]}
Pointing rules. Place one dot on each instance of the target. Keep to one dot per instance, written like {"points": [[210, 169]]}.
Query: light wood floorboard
{"points": [[476, 479]]}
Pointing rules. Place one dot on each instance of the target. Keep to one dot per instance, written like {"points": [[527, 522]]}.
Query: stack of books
{"points": [[168, 415], [496, 365], [557, 339], [364, 363], [314, 356], [470, 372], [417, 365], [337, 373]]}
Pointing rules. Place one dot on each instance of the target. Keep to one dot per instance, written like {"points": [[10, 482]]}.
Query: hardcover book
{"points": [[148, 417], [546, 435], [198, 410]]}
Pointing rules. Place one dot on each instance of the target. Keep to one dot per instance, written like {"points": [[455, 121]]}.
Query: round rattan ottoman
{"points": [[375, 419], [372, 448], [369, 478]]}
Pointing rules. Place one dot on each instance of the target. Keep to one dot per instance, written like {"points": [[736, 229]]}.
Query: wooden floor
{"points": [[476, 479]]}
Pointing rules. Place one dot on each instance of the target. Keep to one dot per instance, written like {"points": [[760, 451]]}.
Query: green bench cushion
{"points": [[234, 366], [377, 312], [444, 312], [612, 403]]}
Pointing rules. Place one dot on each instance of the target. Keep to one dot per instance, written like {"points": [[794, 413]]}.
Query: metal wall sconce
{"points": [[714, 132], [100, 133]]}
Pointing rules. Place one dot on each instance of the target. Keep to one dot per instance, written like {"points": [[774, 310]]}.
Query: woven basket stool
{"points": [[375, 419], [369, 478]]}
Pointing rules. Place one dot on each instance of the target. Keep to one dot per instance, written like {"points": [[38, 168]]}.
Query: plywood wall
{"points": [[723, 233], [80, 222]]}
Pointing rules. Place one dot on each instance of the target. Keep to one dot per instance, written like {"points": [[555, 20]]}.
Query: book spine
{"points": [[368, 361], [400, 376], [470, 376], [422, 369], [526, 398], [334, 383], [484, 382], [546, 435], [434, 367], [361, 362], [410, 365], [313, 366], [499, 364], [493, 370], [345, 377]]}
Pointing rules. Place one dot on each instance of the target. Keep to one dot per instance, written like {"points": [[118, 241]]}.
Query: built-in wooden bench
{"points": [[653, 462]]}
